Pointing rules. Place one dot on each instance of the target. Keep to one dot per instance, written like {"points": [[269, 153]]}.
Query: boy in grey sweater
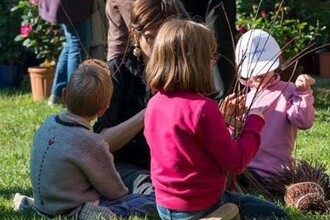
{"points": [[72, 169]]}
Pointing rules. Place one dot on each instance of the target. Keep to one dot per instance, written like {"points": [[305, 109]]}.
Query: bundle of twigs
{"points": [[304, 185], [299, 171]]}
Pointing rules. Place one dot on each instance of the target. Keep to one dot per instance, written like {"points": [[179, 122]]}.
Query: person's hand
{"points": [[304, 81], [233, 105]]}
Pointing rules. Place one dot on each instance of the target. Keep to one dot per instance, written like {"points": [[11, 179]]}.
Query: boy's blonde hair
{"points": [[89, 89], [181, 58]]}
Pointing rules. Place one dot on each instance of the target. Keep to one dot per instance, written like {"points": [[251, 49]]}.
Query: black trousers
{"points": [[212, 13]]}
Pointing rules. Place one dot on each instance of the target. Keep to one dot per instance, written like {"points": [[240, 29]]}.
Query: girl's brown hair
{"points": [[89, 89], [182, 58]]}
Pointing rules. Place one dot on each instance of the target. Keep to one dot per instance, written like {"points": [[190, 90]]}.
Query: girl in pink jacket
{"points": [[191, 148], [287, 106]]}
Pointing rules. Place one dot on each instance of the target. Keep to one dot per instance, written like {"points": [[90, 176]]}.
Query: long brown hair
{"points": [[150, 14], [181, 57]]}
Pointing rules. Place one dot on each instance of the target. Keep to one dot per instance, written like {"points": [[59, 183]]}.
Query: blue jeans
{"points": [[73, 53], [168, 214], [132, 205], [250, 207]]}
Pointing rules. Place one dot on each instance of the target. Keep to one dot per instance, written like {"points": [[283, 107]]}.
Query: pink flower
{"points": [[34, 2], [241, 29], [25, 30], [263, 13]]}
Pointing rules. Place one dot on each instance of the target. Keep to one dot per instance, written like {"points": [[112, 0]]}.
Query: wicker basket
{"points": [[304, 195]]}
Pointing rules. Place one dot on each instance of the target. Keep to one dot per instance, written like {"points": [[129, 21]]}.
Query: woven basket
{"points": [[303, 195]]}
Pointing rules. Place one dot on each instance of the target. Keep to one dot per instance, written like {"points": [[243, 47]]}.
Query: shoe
{"points": [[227, 211], [54, 100], [22, 202]]}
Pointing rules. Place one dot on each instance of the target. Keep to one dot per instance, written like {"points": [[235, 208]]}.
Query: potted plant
{"points": [[293, 35], [11, 56], [45, 40]]}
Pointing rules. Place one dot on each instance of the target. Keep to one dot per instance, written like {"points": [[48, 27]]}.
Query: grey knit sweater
{"points": [[70, 165]]}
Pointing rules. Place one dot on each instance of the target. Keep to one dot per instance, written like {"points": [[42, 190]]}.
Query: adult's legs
{"points": [[221, 15], [214, 15], [137, 180], [61, 69], [73, 53], [79, 36], [252, 207]]}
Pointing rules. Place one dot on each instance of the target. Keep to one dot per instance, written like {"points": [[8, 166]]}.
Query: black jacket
{"points": [[130, 97]]}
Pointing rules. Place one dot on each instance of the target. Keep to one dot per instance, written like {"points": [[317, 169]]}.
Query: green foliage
{"points": [[292, 34], [10, 50], [304, 10], [41, 37]]}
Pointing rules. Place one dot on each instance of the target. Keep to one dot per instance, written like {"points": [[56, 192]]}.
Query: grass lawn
{"points": [[20, 117]]}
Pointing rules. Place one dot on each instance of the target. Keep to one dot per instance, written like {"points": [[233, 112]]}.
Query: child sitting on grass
{"points": [[191, 148], [72, 169], [287, 106]]}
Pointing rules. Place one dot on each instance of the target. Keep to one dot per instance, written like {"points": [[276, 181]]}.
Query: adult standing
{"points": [[74, 17], [215, 13]]}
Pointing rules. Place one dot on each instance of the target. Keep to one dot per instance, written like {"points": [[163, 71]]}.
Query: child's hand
{"points": [[304, 81], [233, 104]]}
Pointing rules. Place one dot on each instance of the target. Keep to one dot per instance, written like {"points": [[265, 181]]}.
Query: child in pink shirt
{"points": [[191, 149], [287, 106]]}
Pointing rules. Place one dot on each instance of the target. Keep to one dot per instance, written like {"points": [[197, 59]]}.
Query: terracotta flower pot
{"points": [[41, 82]]}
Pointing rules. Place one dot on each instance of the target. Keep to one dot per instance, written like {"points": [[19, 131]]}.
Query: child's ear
{"points": [[101, 112]]}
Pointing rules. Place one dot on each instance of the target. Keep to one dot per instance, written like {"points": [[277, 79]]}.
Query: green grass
{"points": [[20, 117]]}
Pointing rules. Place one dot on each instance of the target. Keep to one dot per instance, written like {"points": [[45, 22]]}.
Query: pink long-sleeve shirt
{"points": [[287, 111], [192, 150]]}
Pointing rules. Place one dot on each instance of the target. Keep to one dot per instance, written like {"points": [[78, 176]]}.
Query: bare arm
{"points": [[122, 133]]}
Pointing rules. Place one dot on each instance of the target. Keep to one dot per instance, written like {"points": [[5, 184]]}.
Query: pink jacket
{"points": [[192, 150], [287, 111]]}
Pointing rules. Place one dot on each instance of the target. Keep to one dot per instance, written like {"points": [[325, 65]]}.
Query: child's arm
{"points": [[232, 155], [302, 113], [98, 166]]}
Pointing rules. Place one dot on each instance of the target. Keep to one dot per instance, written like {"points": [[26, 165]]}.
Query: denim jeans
{"points": [[168, 214], [250, 207], [78, 39], [132, 205]]}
